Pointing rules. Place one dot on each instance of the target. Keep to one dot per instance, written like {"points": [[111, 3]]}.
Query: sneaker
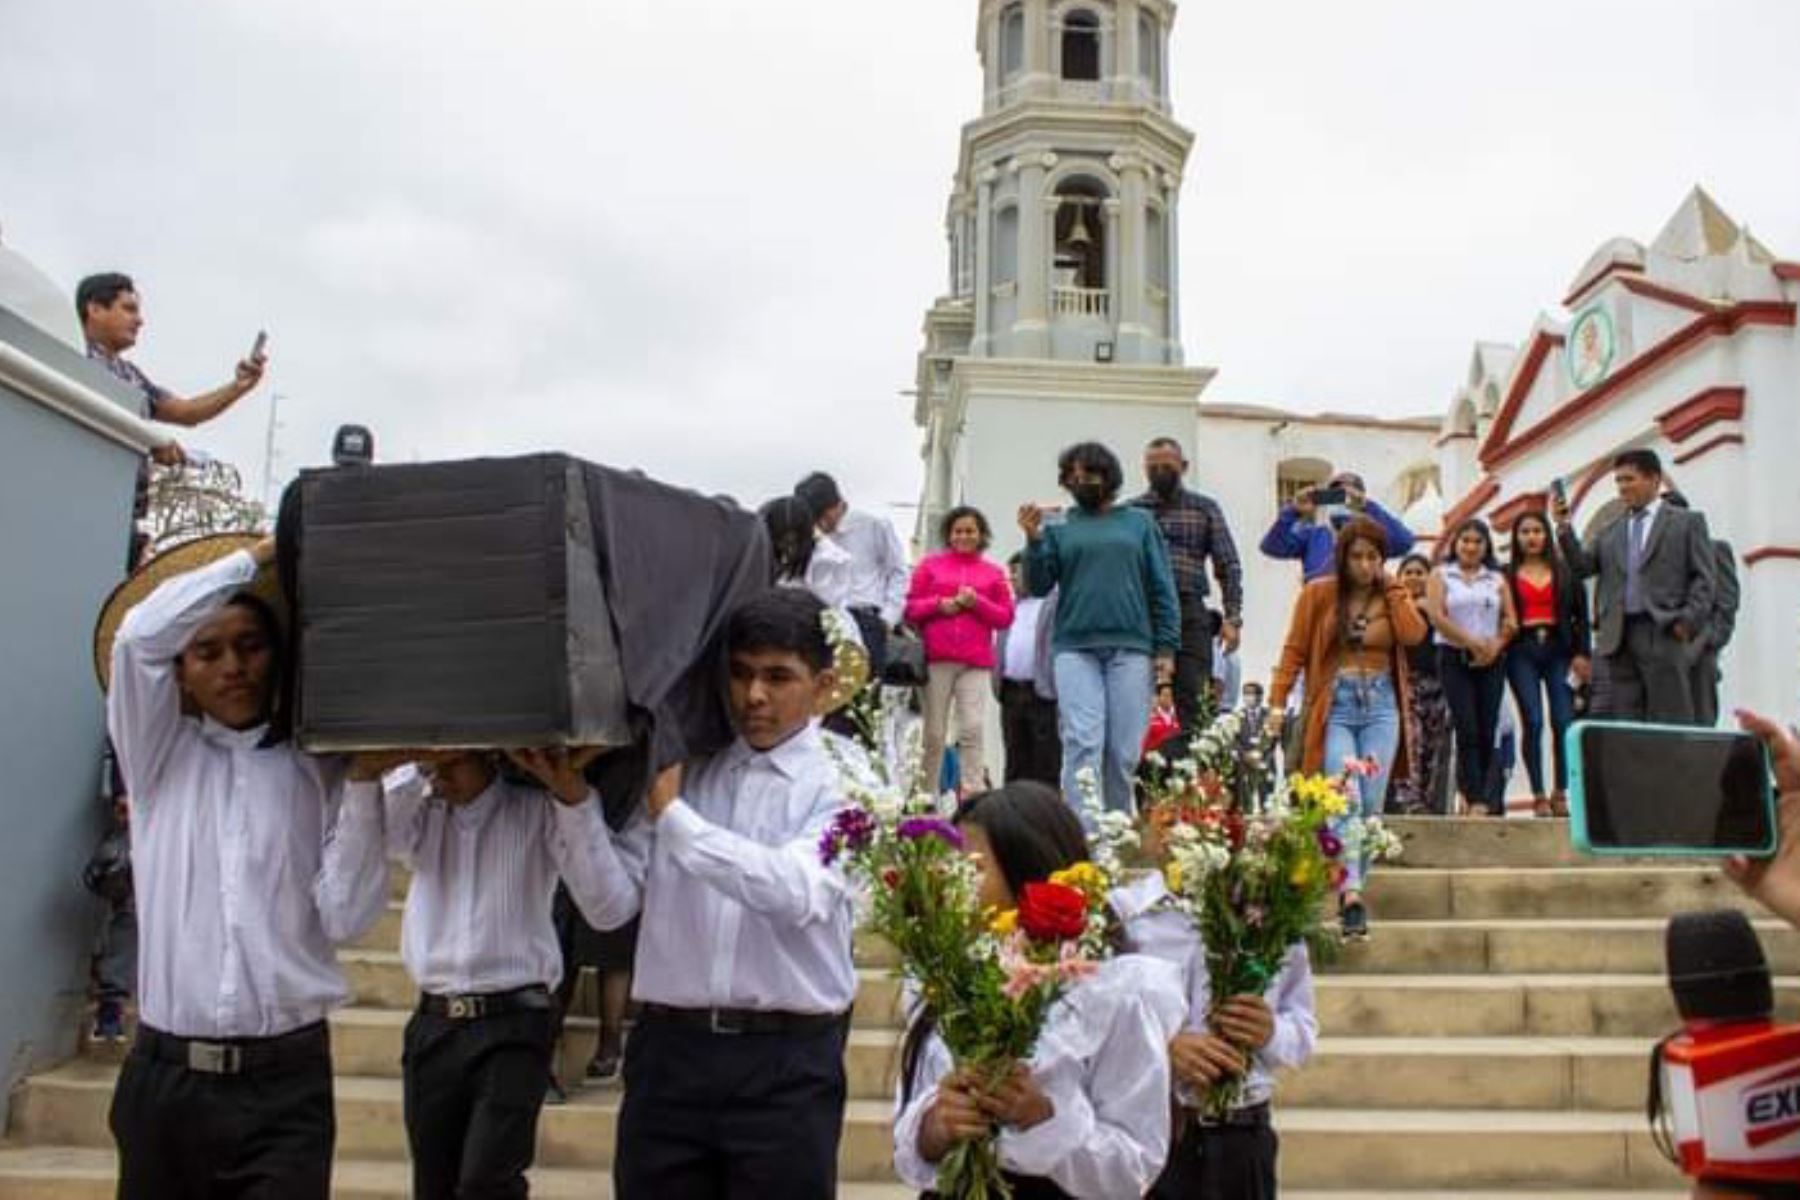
{"points": [[109, 1022], [1354, 924]]}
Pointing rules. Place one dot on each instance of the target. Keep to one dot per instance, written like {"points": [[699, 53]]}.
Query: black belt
{"points": [[1251, 1116], [741, 1020], [474, 1006], [1541, 634], [305, 1046]]}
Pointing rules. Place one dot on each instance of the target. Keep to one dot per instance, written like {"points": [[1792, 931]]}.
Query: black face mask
{"points": [[1165, 481], [1089, 495]]}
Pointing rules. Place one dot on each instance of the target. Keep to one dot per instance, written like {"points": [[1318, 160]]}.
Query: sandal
{"points": [[1559, 804], [1540, 806]]}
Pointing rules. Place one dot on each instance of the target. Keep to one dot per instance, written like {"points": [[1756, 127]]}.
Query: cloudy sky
{"points": [[698, 236]]}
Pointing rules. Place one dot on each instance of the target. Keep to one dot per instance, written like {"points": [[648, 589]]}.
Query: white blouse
{"points": [[1103, 1061]]}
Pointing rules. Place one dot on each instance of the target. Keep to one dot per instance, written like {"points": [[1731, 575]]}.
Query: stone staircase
{"points": [[1491, 1040]]}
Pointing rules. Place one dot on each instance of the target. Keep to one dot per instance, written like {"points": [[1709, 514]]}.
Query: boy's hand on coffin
{"points": [[370, 765], [555, 770]]}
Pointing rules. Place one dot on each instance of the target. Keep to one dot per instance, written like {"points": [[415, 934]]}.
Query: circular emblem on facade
{"points": [[1592, 347]]}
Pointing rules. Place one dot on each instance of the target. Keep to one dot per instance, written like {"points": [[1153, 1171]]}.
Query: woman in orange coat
{"points": [[1349, 636]]}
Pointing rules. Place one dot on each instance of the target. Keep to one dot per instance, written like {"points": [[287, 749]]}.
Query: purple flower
{"points": [[850, 830], [914, 828], [1330, 844]]}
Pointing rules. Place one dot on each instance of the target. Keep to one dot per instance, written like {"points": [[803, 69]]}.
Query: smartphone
{"points": [[1669, 790], [1559, 493], [1055, 513], [262, 343], [1327, 497]]}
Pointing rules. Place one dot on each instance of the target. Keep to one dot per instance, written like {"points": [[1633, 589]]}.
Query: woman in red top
{"points": [[959, 600], [1554, 641]]}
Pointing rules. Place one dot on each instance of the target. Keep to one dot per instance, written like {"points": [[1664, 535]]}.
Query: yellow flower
{"points": [[1004, 924], [1301, 874], [1084, 877], [1172, 875]]}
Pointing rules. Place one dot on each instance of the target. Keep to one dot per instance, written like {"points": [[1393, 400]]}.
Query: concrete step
{"points": [[1397, 1149], [1444, 1073], [1563, 893], [72, 1173], [1426, 1006], [1521, 946], [1485, 842]]}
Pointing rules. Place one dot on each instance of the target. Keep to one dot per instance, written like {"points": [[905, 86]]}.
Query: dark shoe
{"points": [[1559, 804], [109, 1021], [605, 1064], [1540, 806], [554, 1095], [1354, 922]]}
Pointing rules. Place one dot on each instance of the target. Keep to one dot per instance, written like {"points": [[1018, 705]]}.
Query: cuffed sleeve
{"points": [[1281, 541], [1043, 565], [404, 796], [351, 889], [605, 877], [786, 883], [1296, 1019]]}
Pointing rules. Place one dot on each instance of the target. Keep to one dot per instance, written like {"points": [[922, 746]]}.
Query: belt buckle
{"points": [[728, 1025], [462, 1008], [213, 1058]]}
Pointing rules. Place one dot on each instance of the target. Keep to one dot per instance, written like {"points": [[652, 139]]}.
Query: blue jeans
{"points": [[1536, 669], [1104, 698], [1364, 723]]}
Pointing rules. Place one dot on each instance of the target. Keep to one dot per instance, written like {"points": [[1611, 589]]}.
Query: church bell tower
{"points": [[1062, 315]]}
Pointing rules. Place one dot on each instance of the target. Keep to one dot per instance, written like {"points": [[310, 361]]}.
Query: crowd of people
{"points": [[710, 910]]}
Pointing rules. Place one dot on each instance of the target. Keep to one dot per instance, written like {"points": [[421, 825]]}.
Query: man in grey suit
{"points": [[1653, 601], [1719, 628]]}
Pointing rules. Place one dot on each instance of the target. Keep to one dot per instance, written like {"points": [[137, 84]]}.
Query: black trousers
{"points": [[1706, 689], [1220, 1163], [1474, 696], [473, 1091], [188, 1135], [1193, 664], [1649, 679], [721, 1116], [1028, 728]]}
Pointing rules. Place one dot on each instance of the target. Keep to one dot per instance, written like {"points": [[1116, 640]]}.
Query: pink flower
{"points": [[1366, 768]]}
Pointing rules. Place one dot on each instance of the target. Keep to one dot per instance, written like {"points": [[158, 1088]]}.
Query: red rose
{"points": [[1050, 912]]}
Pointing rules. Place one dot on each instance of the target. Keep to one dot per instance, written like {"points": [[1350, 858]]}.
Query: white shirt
{"points": [[1155, 927], [738, 910], [1021, 640], [1103, 1061], [878, 573], [478, 911], [1473, 604], [247, 868]]}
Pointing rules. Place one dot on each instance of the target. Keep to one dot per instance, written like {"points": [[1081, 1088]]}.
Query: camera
{"points": [[1724, 1100]]}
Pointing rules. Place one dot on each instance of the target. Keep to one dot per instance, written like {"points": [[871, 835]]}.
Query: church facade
{"points": [[1687, 346]]}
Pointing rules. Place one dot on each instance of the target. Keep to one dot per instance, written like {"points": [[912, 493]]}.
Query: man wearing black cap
{"points": [[875, 590]]}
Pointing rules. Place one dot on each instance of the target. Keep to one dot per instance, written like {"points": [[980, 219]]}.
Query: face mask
{"points": [[1089, 495], [1165, 481]]}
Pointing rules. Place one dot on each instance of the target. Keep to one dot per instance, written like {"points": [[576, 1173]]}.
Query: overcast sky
{"points": [[698, 236]]}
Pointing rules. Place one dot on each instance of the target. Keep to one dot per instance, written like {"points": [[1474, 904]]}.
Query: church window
{"points": [[1150, 52], [1012, 41], [1081, 46], [1006, 246]]}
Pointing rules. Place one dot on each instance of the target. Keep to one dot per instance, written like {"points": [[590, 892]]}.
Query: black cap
{"points": [[1717, 969], [353, 446]]}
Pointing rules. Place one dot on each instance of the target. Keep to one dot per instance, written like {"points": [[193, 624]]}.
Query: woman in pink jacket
{"points": [[959, 600]]}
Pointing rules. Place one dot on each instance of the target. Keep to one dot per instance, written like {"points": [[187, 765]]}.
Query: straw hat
{"points": [[189, 556]]}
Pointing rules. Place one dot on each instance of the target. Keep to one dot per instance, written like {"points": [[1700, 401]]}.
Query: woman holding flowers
{"points": [[1086, 1113], [1349, 635], [959, 599]]}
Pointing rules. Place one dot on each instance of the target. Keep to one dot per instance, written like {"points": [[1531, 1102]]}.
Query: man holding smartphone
{"points": [[1306, 530], [1656, 570]]}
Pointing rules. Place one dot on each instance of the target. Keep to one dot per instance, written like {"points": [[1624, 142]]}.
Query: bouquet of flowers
{"points": [[990, 978], [1255, 878]]}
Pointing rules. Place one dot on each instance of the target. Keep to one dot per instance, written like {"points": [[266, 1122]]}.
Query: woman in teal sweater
{"points": [[1117, 615]]}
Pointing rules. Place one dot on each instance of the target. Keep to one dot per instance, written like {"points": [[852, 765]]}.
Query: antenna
{"points": [[268, 480]]}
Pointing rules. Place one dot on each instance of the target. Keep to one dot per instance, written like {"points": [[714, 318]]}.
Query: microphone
{"points": [[1727, 1087]]}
